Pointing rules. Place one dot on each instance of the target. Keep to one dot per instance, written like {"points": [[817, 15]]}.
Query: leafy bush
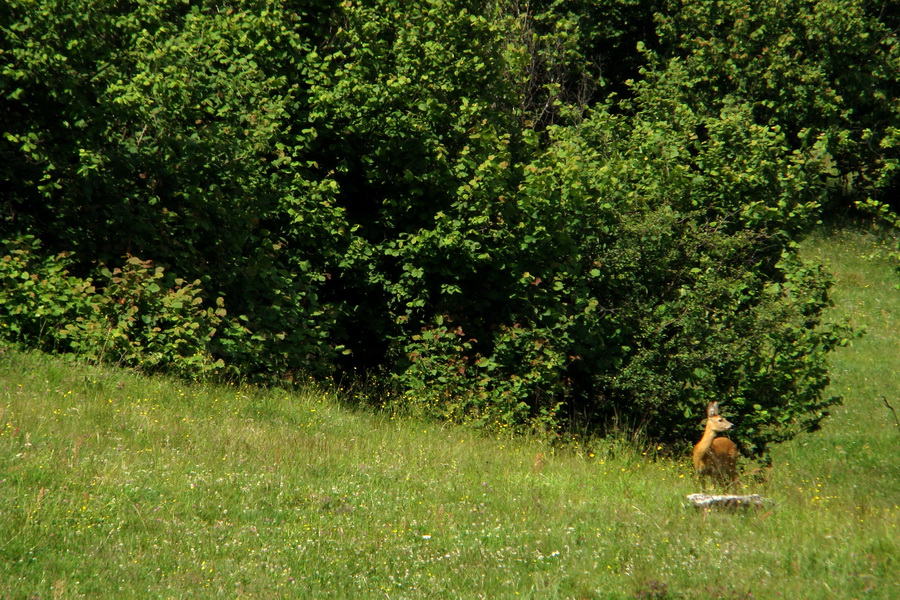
{"points": [[638, 272], [168, 131], [438, 191], [826, 68], [38, 295], [134, 316]]}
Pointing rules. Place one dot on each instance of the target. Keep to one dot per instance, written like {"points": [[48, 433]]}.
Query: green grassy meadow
{"points": [[114, 485]]}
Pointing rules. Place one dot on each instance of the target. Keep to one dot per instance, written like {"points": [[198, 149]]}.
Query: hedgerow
{"points": [[520, 216]]}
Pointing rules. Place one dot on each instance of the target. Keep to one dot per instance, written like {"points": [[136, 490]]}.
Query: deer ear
{"points": [[712, 409]]}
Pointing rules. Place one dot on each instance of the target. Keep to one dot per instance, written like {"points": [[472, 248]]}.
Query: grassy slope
{"points": [[112, 485]]}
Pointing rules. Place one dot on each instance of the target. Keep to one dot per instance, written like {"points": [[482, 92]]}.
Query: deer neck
{"points": [[708, 436], [703, 445]]}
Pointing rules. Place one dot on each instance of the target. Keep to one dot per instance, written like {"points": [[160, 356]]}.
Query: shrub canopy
{"points": [[575, 213]]}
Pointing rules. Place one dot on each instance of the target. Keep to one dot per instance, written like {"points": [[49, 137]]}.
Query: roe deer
{"points": [[716, 457]]}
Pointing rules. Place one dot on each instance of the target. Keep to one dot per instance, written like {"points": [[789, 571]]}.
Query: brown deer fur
{"points": [[716, 457]]}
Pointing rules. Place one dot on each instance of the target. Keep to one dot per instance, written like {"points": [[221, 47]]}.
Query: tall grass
{"points": [[119, 486]]}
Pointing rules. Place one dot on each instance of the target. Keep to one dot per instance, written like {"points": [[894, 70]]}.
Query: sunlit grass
{"points": [[118, 486]]}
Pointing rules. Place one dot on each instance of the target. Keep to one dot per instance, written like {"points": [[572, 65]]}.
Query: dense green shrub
{"points": [[38, 295], [135, 315], [826, 68], [172, 131], [643, 274], [444, 193]]}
